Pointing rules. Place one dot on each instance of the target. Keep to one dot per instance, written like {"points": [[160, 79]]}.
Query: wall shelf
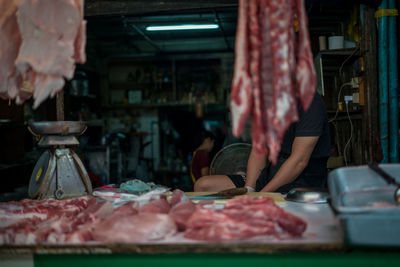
{"points": [[161, 105], [333, 112], [332, 60], [340, 52], [136, 85]]}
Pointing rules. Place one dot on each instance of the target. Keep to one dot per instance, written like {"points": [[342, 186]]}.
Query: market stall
{"points": [[322, 243], [268, 110]]}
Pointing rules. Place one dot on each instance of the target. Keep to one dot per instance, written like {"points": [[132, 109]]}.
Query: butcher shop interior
{"points": [[199, 132]]}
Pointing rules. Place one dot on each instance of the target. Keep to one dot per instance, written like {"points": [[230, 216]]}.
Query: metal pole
{"points": [[60, 105], [383, 83], [393, 85]]}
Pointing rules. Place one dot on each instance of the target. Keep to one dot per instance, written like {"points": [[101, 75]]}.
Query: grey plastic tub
{"points": [[365, 205]]}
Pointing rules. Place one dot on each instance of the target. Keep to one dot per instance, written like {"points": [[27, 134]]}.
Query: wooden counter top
{"points": [[277, 197]]}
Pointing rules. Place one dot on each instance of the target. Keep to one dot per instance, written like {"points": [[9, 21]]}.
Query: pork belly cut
{"points": [[272, 70], [243, 218], [134, 228], [130, 208], [181, 213], [213, 225], [43, 221], [156, 206], [258, 214], [178, 196]]}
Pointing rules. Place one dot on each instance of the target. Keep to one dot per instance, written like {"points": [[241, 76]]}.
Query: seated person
{"points": [[201, 158], [301, 163]]}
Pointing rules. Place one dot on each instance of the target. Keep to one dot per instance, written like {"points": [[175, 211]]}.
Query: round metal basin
{"points": [[308, 195], [57, 127]]}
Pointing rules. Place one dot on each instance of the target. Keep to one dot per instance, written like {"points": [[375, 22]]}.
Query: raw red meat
{"points": [[156, 206], [242, 218], [87, 218], [84, 219], [177, 197], [244, 201], [259, 211], [134, 228], [213, 225], [50, 221], [38, 210], [40, 43], [97, 208], [181, 213], [271, 70], [130, 208]]}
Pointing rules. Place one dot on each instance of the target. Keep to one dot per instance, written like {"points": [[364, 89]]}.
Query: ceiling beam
{"points": [[140, 7], [147, 38], [222, 30]]}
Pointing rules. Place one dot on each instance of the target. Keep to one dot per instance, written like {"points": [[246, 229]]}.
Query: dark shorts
{"points": [[314, 175], [238, 179]]}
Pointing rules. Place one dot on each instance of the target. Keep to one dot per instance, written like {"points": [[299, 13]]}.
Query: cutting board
{"points": [[277, 197]]}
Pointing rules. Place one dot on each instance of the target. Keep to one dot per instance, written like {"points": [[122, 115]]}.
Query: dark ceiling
{"points": [[124, 34], [117, 28]]}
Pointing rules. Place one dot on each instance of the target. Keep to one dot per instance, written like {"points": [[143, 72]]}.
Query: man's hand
{"points": [[302, 149]]}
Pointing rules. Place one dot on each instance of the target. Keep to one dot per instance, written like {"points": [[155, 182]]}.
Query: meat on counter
{"points": [[88, 219]]}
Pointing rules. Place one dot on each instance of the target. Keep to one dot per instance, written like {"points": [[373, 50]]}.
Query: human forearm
{"points": [[298, 160], [255, 165], [287, 173]]}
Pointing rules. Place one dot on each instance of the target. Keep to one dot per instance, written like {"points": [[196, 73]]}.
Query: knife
{"points": [[228, 193]]}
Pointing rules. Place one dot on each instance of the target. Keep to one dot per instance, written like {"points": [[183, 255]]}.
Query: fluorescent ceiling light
{"points": [[182, 27]]}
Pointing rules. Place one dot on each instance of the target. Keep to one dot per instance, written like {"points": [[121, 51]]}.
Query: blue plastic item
{"points": [[383, 83], [393, 85]]}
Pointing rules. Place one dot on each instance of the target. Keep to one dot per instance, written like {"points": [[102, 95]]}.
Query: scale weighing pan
{"points": [[57, 127]]}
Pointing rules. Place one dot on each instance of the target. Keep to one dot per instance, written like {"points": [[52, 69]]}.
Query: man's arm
{"points": [[301, 152], [255, 164]]}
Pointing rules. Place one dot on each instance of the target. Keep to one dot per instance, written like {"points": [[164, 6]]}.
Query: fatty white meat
{"points": [[40, 43]]}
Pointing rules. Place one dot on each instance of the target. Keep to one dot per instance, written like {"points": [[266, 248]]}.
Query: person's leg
{"points": [[213, 183]]}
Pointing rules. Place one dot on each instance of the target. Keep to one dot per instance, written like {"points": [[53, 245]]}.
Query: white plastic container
{"points": [[322, 43], [336, 42]]}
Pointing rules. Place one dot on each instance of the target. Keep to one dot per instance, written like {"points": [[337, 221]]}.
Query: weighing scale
{"points": [[59, 173]]}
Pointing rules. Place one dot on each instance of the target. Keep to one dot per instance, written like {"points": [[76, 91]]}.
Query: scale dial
{"points": [[40, 175]]}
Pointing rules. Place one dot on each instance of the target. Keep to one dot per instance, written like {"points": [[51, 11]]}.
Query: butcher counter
{"points": [[323, 243]]}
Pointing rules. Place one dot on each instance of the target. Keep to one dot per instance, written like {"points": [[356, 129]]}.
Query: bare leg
{"points": [[213, 183]]}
